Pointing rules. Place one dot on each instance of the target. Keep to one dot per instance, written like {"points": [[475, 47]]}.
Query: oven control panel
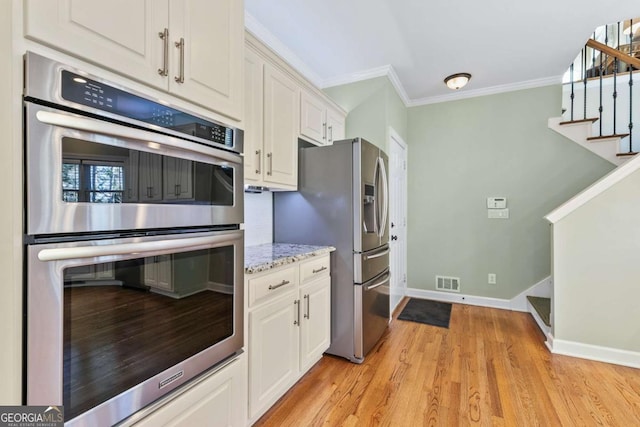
{"points": [[79, 89]]}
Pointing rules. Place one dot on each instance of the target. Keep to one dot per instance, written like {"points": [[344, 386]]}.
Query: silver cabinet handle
{"points": [[270, 157], [297, 304], [308, 313], [259, 157], [378, 255], [279, 285], [180, 45], [164, 36], [323, 268], [324, 131], [330, 133], [177, 190]]}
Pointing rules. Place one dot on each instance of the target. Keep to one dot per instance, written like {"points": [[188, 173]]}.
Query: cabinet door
{"points": [[165, 272], [150, 177], [131, 171], [217, 401], [312, 117], [281, 113], [253, 153], [122, 35], [158, 272], [177, 177], [335, 126], [315, 335], [208, 65], [273, 355]]}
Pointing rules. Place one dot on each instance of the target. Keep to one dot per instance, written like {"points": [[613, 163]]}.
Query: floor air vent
{"points": [[449, 284]]}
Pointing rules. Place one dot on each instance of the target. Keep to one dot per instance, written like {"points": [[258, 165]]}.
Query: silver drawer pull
{"points": [[279, 285], [323, 268]]}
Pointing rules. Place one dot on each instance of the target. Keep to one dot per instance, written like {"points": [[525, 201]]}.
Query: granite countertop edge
{"points": [[273, 255]]}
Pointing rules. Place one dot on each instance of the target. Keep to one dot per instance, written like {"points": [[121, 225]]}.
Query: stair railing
{"points": [[607, 54]]}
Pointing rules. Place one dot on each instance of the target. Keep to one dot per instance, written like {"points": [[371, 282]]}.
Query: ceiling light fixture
{"points": [[457, 81]]}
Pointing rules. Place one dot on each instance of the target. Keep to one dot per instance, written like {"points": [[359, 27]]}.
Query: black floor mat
{"points": [[434, 313]]}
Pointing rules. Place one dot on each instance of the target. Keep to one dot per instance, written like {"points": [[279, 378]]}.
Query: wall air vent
{"points": [[446, 283]]}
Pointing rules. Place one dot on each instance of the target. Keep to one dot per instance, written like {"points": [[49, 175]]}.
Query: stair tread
{"points": [[632, 153], [542, 307], [571, 122], [615, 135]]}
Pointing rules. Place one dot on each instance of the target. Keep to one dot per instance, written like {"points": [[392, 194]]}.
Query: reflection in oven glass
{"points": [[127, 321], [100, 173]]}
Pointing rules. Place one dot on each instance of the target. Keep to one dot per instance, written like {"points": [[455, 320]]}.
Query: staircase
{"points": [[599, 93], [600, 107]]}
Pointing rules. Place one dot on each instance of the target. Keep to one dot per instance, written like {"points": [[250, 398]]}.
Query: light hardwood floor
{"points": [[490, 368]]}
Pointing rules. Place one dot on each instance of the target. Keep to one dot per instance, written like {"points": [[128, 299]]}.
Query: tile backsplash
{"points": [[258, 218]]}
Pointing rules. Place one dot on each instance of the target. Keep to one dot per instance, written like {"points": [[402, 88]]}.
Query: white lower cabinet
{"points": [[315, 326], [273, 354], [218, 400], [289, 328]]}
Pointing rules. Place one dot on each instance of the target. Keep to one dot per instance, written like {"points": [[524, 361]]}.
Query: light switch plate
{"points": [[498, 213]]}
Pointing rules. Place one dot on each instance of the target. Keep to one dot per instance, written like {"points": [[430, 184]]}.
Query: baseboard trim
{"points": [[504, 304], [594, 352]]}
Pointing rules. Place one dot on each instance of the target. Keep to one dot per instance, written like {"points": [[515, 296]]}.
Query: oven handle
{"points": [[88, 124], [77, 252]]}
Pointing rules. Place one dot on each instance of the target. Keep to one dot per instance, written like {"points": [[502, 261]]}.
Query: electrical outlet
{"points": [[492, 279]]}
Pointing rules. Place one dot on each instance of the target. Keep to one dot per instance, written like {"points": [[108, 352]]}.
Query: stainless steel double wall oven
{"points": [[133, 246]]}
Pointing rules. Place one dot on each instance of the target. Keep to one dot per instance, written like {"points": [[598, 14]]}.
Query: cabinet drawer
{"points": [[272, 284], [315, 268]]}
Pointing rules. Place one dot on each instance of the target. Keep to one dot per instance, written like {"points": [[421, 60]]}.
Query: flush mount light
{"points": [[457, 81]]}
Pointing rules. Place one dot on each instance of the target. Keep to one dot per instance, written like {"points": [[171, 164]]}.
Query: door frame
{"points": [[398, 285]]}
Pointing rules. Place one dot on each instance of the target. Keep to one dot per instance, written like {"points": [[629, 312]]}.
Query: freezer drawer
{"points": [[370, 264], [371, 313]]}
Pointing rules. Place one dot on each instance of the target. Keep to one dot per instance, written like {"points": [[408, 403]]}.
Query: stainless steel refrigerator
{"points": [[343, 201]]}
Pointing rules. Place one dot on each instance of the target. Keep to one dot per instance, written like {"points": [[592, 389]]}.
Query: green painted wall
{"points": [[462, 152], [372, 105]]}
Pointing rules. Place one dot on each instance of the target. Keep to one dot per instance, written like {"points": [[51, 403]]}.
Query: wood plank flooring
{"points": [[489, 368]]}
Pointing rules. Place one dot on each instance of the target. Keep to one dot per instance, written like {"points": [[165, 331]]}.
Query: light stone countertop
{"points": [[272, 255]]}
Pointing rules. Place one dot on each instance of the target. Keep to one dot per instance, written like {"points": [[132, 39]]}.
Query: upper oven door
{"points": [[89, 175]]}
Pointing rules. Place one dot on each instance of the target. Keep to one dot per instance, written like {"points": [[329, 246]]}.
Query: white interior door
{"points": [[397, 217]]}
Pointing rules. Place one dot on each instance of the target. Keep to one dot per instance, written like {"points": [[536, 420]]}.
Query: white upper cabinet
{"points": [[313, 122], [207, 40], [253, 117], [320, 122], [335, 125], [281, 116], [191, 48]]}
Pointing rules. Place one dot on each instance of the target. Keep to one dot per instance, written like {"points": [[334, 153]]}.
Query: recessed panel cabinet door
{"points": [[253, 89], [207, 39], [273, 355], [316, 321], [122, 35], [281, 121]]}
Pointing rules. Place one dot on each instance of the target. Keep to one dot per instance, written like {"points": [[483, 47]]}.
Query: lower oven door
{"points": [[114, 324]]}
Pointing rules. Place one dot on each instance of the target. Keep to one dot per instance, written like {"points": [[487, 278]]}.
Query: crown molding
{"points": [[272, 42], [385, 70], [511, 87]]}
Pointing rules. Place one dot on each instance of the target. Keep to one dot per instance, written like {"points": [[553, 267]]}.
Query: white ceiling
{"points": [[504, 44]]}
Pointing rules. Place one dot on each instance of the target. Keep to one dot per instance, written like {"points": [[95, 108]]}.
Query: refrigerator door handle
{"points": [[385, 199], [387, 276], [377, 255]]}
